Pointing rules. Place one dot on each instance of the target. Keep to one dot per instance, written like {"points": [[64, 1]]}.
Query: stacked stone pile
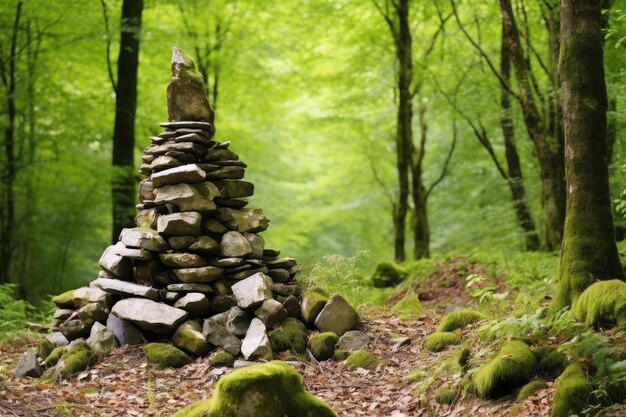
{"points": [[194, 272]]}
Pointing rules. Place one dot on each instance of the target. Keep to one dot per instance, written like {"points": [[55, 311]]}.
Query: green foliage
{"points": [[15, 313], [322, 345], [602, 303], [572, 392], [265, 390], [531, 388], [362, 359], [445, 395], [459, 320], [511, 367], [388, 274], [438, 341], [292, 335], [166, 356]]}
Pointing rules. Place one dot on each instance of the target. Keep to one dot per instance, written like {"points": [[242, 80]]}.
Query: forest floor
{"points": [[125, 384]]}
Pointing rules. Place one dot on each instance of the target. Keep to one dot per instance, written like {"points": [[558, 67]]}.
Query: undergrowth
{"points": [[15, 313]]}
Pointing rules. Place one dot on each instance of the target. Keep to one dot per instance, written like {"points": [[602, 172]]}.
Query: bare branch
{"points": [[105, 15]]}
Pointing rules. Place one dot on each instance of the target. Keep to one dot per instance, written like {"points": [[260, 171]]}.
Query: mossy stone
{"points": [[222, 359], [438, 341], [166, 356], [531, 388], [511, 367], [602, 304], [188, 337], [572, 392], [362, 359], [76, 358], [55, 355], [64, 300], [323, 345], [388, 274], [341, 355], [313, 301], [445, 395], [550, 362], [266, 390], [44, 348], [459, 320], [291, 335]]}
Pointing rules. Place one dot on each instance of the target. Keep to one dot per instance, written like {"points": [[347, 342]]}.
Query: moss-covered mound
{"points": [[408, 306], [362, 359], [459, 320], [222, 359], [323, 345], [572, 392], [166, 356], [550, 362], [445, 395], [44, 348], [513, 366], [75, 359], [531, 388], [388, 274], [438, 341], [55, 355], [267, 390], [292, 336], [602, 304]]}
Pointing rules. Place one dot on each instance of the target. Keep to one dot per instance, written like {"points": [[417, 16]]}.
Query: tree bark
{"points": [[589, 251], [515, 178], [123, 182], [549, 157], [421, 230]]}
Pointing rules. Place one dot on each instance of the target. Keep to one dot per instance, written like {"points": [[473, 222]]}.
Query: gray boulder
{"points": [[234, 188], [150, 315], [195, 303], [143, 238], [73, 328], [180, 224], [115, 286], [242, 220], [124, 332], [238, 321], [235, 245], [86, 295], [189, 338], [57, 339], [28, 365], [186, 197], [219, 336], [190, 287], [337, 316], [271, 312], [190, 173], [353, 341], [252, 291], [101, 340], [115, 263], [205, 245], [92, 312], [257, 243], [256, 344]]}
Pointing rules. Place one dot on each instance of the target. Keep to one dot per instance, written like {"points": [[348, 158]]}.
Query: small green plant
{"points": [[484, 294]]}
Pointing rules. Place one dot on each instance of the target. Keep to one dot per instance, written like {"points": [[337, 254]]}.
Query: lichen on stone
{"points": [[438, 341], [572, 392], [511, 367], [602, 304], [459, 320], [323, 345], [166, 356], [266, 390]]}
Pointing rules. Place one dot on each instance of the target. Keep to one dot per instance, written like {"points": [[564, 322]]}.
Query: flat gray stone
{"points": [[219, 336], [235, 245], [143, 238], [238, 321], [182, 260], [164, 162], [62, 314], [116, 286], [198, 275], [57, 339], [279, 275], [190, 287], [252, 291], [242, 220], [213, 226], [195, 303], [284, 263], [189, 174], [205, 245], [73, 328], [337, 316], [353, 341], [92, 313], [234, 188], [133, 253], [125, 332], [256, 344], [271, 312], [86, 295], [28, 366], [101, 340], [116, 264], [180, 224], [184, 196], [150, 315]]}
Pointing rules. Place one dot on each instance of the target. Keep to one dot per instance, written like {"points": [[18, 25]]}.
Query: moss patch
{"points": [[341, 355], [531, 388], [445, 395], [44, 348], [438, 341], [572, 392], [410, 305], [415, 376], [550, 362], [322, 345], [166, 356], [76, 359], [55, 355], [362, 359], [388, 274], [222, 359], [602, 304], [459, 320], [512, 366], [292, 336], [64, 300], [267, 390]]}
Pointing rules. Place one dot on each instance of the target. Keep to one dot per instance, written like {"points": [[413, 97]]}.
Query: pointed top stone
{"points": [[186, 94]]}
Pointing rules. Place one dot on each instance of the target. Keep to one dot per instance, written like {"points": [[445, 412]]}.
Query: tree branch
{"points": [[105, 15]]}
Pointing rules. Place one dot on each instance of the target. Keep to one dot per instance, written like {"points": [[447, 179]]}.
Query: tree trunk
{"points": [[515, 178], [421, 231], [404, 131], [589, 251], [550, 165], [123, 182]]}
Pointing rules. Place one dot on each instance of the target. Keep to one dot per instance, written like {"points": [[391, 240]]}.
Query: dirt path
{"points": [[125, 384]]}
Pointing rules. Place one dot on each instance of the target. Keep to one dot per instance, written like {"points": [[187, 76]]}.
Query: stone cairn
{"points": [[195, 271]]}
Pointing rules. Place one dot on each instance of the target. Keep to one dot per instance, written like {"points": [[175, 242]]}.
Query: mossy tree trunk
{"points": [[123, 181], [589, 251]]}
